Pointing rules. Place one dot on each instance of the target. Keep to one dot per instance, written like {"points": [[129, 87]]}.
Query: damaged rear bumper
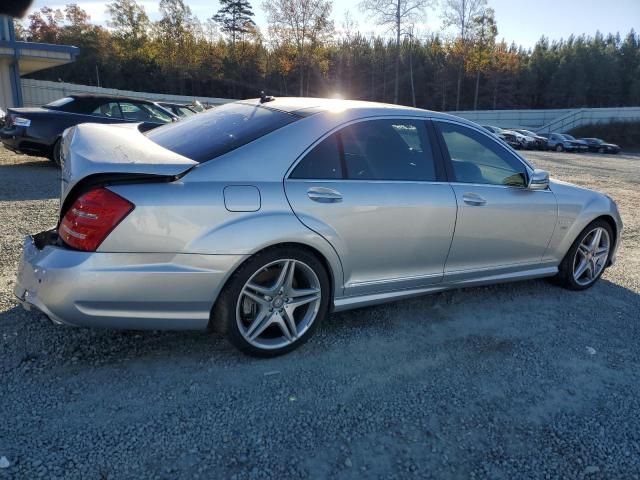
{"points": [[161, 291]]}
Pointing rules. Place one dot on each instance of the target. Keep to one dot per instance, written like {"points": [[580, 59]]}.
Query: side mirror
{"points": [[539, 180]]}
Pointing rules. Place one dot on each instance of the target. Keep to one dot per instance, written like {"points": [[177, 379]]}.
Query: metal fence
{"points": [[40, 92], [547, 121]]}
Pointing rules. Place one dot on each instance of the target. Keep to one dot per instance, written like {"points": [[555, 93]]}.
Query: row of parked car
{"points": [[560, 142], [37, 131]]}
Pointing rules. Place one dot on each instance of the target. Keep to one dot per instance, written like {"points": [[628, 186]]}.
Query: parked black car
{"points": [[600, 146], [178, 109], [540, 141], [37, 131]]}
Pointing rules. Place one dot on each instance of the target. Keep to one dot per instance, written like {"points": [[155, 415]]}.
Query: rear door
{"points": [[501, 224], [375, 190]]}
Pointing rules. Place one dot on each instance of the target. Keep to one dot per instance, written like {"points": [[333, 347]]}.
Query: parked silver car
{"points": [[260, 217]]}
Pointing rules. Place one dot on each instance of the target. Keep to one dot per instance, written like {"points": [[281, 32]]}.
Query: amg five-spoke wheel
{"points": [[588, 257], [278, 304], [274, 302], [591, 256]]}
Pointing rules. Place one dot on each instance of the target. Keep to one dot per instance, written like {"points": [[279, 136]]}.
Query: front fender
{"points": [[577, 208]]}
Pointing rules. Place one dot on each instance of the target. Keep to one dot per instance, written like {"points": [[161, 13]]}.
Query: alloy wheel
{"points": [[278, 304], [591, 256]]}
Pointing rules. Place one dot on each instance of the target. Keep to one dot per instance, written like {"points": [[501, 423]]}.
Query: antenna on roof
{"points": [[264, 98]]}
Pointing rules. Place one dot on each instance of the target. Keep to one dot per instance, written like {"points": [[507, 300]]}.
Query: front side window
{"points": [[476, 158], [139, 112], [109, 110]]}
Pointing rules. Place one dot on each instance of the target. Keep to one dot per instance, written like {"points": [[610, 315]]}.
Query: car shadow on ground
{"points": [[532, 308], [32, 180]]}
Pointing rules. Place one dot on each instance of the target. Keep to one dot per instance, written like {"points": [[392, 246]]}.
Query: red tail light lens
{"points": [[92, 217]]}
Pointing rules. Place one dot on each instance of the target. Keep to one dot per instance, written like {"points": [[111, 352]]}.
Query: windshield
{"points": [[215, 132]]}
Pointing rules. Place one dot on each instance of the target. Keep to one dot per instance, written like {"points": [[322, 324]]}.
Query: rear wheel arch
{"points": [[331, 274]]}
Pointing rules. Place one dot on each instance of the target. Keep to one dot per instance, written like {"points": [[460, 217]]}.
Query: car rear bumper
{"points": [[122, 290], [17, 139]]}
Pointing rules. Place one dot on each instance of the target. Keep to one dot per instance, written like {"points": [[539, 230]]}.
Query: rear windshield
{"points": [[218, 131]]}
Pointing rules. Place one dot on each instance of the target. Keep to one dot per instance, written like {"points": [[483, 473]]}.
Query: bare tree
{"points": [[398, 16], [304, 23], [459, 14]]}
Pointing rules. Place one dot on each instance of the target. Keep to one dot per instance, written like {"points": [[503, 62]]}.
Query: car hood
{"points": [[92, 149]]}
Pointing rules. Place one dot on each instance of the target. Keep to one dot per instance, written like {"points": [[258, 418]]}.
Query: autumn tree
{"points": [[459, 14], [129, 21], [398, 16], [303, 23], [484, 33], [234, 18]]}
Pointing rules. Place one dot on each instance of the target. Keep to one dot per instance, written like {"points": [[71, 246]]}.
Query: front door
{"points": [[372, 191], [501, 224]]}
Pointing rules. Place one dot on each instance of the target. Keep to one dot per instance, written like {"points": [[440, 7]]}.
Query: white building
{"points": [[20, 58]]}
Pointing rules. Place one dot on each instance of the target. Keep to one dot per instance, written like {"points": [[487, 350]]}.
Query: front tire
{"points": [[587, 259], [274, 302], [559, 148]]}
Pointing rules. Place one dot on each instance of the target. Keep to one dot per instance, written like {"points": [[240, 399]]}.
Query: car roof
{"points": [[88, 96], [305, 106]]}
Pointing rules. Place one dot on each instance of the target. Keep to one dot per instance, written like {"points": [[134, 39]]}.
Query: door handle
{"points": [[473, 199], [324, 195]]}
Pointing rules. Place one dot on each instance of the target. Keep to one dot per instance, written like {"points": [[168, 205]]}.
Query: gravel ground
{"points": [[523, 380]]}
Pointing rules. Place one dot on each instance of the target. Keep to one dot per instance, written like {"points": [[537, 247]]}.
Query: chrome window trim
{"points": [[360, 182], [344, 125]]}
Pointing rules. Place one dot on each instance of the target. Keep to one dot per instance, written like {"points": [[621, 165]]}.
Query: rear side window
{"points": [[219, 130], [321, 163], [372, 150], [388, 150]]}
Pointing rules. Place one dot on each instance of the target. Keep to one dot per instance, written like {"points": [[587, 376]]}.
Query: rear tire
{"points": [[55, 153], [262, 312], [596, 259]]}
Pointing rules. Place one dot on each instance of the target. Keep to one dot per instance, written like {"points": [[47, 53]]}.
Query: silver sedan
{"points": [[260, 217]]}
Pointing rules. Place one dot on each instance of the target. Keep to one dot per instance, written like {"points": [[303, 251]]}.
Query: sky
{"points": [[519, 21]]}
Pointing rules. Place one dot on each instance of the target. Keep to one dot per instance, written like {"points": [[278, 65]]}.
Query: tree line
{"points": [[301, 52]]}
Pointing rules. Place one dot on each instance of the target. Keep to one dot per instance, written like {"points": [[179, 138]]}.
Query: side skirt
{"points": [[347, 303]]}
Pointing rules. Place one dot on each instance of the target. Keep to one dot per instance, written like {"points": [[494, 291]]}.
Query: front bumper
{"points": [[122, 290]]}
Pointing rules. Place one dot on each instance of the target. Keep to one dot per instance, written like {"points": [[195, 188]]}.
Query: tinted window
{"points": [[220, 130], [388, 150], [110, 110], [478, 159], [140, 112], [321, 163]]}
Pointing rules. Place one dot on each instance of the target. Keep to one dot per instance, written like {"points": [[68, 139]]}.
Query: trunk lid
{"points": [[119, 151]]}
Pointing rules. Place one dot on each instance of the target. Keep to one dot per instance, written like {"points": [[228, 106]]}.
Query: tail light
{"points": [[92, 217]]}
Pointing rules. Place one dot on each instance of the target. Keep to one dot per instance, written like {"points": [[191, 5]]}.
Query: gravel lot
{"points": [[523, 380]]}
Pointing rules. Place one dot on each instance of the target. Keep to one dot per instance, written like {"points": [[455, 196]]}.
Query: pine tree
{"points": [[234, 18]]}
